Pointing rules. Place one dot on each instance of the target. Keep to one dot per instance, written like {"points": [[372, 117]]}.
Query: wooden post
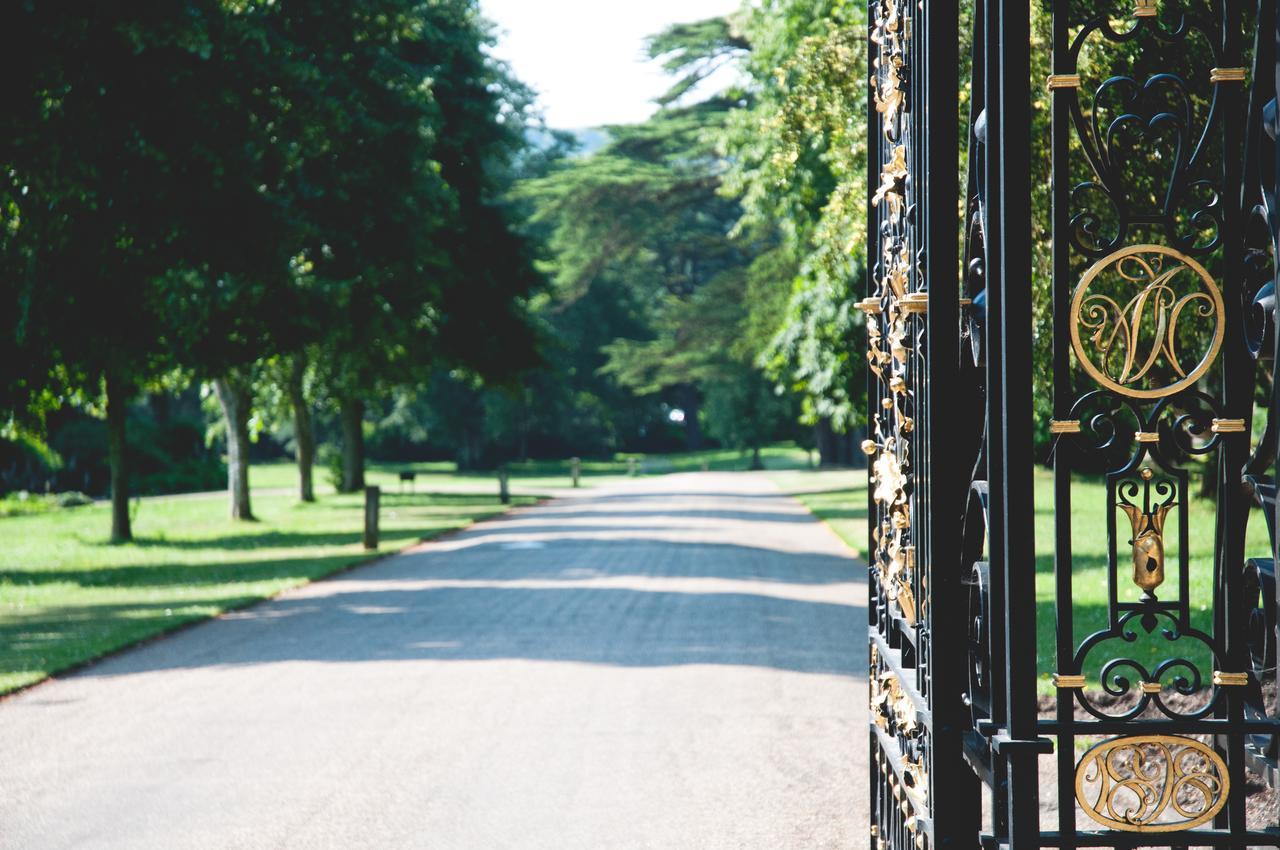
{"points": [[372, 497], [504, 492], [575, 469]]}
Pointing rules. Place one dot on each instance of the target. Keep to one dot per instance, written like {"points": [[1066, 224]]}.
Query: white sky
{"points": [[585, 58]]}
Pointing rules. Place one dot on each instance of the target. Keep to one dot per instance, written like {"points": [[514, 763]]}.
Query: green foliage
{"points": [[24, 503], [204, 186], [799, 167]]}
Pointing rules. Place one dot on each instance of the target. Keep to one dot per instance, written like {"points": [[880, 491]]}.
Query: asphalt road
{"points": [[675, 663]]}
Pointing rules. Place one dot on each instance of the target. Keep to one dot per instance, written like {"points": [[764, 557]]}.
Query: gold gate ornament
{"points": [[1135, 784], [1128, 343]]}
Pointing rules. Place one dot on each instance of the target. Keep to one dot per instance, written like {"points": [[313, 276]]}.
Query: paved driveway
{"points": [[674, 663]]}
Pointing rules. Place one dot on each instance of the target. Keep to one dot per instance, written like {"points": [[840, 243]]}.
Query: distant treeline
{"points": [[229, 230]]}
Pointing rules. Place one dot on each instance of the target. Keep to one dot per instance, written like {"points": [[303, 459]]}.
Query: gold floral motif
{"points": [[892, 174], [916, 778], [889, 34], [1151, 783], [1139, 340], [889, 702], [889, 479]]}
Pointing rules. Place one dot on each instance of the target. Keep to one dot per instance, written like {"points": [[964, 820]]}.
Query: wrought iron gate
{"points": [[1120, 699]]}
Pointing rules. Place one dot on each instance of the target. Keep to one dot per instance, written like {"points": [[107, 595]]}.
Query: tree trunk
{"points": [[234, 398], [352, 445], [690, 403], [825, 439], [304, 435], [117, 420], [757, 462]]}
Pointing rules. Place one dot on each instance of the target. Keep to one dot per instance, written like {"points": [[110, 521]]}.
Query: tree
{"points": [[117, 182], [431, 270], [798, 155], [643, 214]]}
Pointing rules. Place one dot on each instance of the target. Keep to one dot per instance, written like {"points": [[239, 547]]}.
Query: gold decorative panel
{"points": [[1151, 783], [1134, 309]]}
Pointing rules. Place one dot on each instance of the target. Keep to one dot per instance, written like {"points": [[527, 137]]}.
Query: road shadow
{"points": [[562, 583], [616, 627]]}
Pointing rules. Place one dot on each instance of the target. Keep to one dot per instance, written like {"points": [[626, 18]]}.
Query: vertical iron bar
{"points": [[873, 179], [1063, 398], [1237, 394], [995, 421], [1015, 398], [955, 792]]}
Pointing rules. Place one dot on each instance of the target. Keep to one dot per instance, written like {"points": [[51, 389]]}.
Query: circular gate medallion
{"points": [[1133, 311]]}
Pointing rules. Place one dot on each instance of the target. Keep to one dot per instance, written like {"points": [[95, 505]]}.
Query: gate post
{"points": [[954, 789], [1012, 497]]}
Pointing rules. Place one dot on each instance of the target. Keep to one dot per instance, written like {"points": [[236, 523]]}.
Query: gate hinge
{"points": [[1003, 745]]}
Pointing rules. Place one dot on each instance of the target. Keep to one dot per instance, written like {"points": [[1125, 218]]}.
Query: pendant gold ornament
{"points": [[1129, 307], [1148, 545]]}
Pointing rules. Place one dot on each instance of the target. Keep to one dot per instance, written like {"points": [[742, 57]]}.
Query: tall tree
{"points": [[117, 181], [798, 155]]}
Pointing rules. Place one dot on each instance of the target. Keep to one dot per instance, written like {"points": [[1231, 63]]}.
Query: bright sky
{"points": [[585, 58]]}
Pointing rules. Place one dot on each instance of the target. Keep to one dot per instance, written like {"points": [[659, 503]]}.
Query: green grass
{"points": [[840, 499], [1089, 577], [536, 476], [68, 596]]}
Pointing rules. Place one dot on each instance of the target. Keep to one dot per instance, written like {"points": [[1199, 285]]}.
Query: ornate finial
{"points": [[1148, 522]]}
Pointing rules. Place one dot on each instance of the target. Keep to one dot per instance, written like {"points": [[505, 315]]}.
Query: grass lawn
{"points": [[840, 499], [68, 596], [535, 477]]}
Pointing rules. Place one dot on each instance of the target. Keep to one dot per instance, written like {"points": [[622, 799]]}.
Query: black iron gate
{"points": [[1109, 681]]}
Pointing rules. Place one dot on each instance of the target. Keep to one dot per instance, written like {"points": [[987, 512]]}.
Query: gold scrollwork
{"points": [[1151, 783], [1139, 339]]}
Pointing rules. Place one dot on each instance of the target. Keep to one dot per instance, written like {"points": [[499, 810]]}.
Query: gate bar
{"points": [[1017, 542]]}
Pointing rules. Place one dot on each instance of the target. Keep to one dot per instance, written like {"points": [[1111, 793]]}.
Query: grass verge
{"points": [[68, 596]]}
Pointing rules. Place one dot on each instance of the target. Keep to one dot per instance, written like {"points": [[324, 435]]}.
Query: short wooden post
{"points": [[632, 466], [504, 492], [372, 497], [575, 469]]}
